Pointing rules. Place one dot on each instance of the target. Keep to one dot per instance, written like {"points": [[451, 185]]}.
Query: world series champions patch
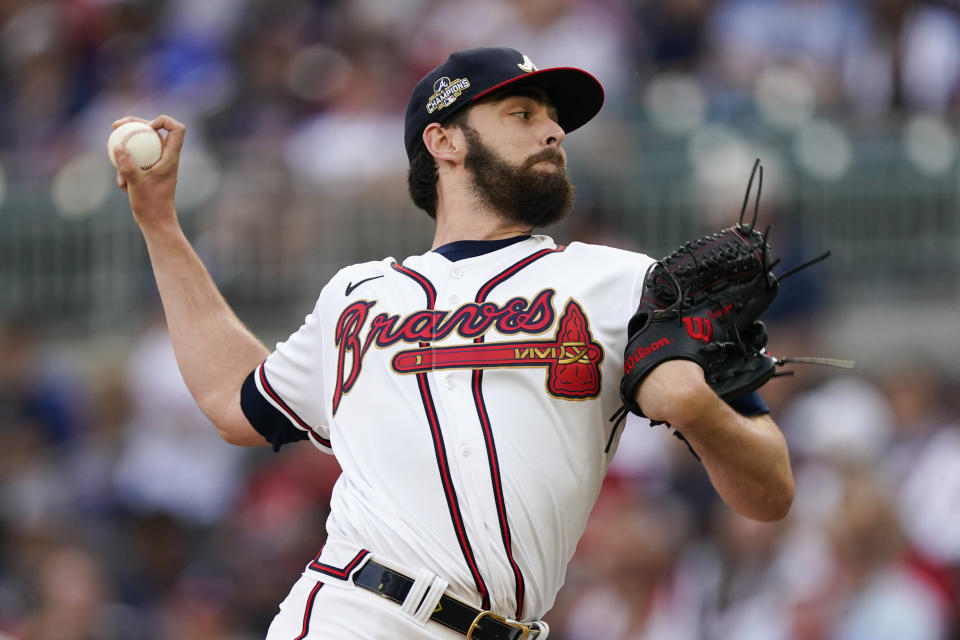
{"points": [[446, 92]]}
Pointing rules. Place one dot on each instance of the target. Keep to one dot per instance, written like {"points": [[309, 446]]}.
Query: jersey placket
{"points": [[444, 432], [505, 532], [468, 447]]}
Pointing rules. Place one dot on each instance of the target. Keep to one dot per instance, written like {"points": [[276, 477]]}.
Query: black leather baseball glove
{"points": [[702, 303]]}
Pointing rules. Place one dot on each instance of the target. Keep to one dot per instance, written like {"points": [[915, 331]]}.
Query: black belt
{"points": [[473, 623]]}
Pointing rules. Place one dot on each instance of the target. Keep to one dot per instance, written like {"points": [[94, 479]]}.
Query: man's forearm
{"points": [[214, 350], [747, 461], [746, 457]]}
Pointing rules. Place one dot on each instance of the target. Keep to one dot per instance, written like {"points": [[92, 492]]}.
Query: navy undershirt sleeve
{"points": [[750, 405], [265, 418]]}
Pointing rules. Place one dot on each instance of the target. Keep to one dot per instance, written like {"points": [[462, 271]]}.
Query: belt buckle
{"points": [[524, 629]]}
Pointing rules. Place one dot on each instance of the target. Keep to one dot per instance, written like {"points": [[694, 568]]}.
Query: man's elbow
{"points": [[234, 428], [227, 417], [242, 435], [776, 501], [227, 433]]}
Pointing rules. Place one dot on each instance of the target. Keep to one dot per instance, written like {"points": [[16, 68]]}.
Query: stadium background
{"points": [[122, 514]]}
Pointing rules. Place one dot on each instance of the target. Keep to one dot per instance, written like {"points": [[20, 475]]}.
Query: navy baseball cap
{"points": [[469, 75]]}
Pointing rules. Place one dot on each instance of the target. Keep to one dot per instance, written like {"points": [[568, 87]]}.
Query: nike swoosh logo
{"points": [[351, 286]]}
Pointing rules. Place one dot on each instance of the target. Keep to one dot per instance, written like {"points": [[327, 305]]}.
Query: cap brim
{"points": [[576, 94]]}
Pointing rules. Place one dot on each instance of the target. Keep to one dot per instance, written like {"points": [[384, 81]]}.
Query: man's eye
{"points": [[522, 114]]}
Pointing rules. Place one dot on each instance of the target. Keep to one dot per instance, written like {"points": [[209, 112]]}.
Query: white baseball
{"points": [[142, 142]]}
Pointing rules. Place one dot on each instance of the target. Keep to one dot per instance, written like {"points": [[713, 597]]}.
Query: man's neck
{"points": [[466, 230], [473, 222], [463, 215]]}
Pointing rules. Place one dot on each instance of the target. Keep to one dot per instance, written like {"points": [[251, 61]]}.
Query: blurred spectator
{"points": [[629, 588], [748, 36], [440, 30], [174, 461], [259, 226], [845, 418], [589, 34], [930, 497], [198, 606], [922, 474], [743, 576], [875, 591], [917, 393], [905, 56], [43, 421], [274, 526], [874, 57], [342, 147], [673, 33], [73, 601], [36, 66], [645, 456], [38, 387]]}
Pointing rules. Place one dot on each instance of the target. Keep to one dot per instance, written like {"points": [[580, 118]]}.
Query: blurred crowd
{"points": [[281, 80], [123, 515]]}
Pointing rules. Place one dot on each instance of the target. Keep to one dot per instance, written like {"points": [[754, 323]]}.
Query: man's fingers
{"points": [[176, 131], [127, 170], [166, 122], [126, 119]]}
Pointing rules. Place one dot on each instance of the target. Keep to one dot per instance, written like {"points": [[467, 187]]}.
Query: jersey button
{"points": [[450, 383], [456, 273], [465, 450], [454, 299]]}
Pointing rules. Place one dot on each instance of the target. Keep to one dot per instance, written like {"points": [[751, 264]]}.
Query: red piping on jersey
{"points": [[510, 271], [453, 504], [420, 279], [309, 611], [337, 572], [497, 487], [290, 412], [488, 430]]}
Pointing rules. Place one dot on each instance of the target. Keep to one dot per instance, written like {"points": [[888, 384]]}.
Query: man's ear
{"points": [[445, 144]]}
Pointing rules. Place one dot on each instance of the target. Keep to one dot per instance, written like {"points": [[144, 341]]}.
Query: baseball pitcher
{"points": [[467, 392]]}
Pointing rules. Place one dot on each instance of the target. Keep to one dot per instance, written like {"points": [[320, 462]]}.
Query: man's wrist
{"points": [[160, 221], [677, 392]]}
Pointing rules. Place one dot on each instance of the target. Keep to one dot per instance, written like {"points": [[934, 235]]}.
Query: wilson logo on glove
{"points": [[642, 352], [699, 328], [722, 311]]}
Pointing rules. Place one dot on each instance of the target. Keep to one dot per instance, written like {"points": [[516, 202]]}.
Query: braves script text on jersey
{"points": [[466, 402]]}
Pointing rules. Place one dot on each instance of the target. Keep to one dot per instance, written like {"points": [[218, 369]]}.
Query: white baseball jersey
{"points": [[468, 405]]}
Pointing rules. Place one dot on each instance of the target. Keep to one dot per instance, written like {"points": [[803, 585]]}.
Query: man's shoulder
{"points": [[362, 269], [605, 254], [349, 277]]}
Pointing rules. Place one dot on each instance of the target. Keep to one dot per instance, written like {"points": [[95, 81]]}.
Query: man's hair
{"points": [[423, 175]]}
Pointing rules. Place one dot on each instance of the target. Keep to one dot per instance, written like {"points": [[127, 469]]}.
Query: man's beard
{"points": [[520, 193]]}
